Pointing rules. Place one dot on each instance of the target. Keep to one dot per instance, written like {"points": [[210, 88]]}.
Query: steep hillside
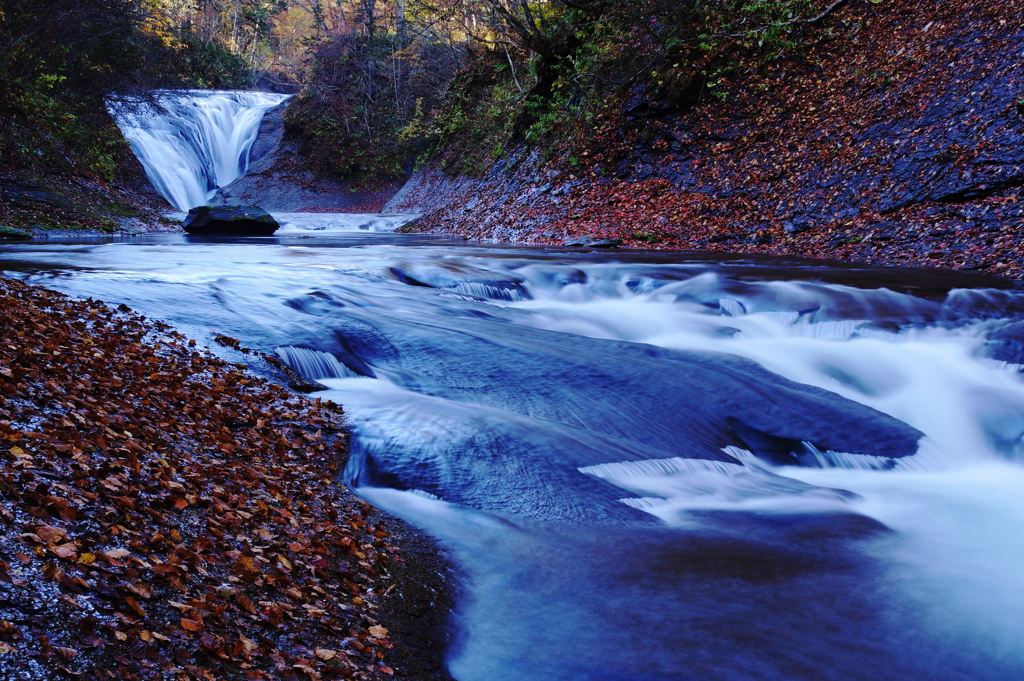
{"points": [[893, 135]]}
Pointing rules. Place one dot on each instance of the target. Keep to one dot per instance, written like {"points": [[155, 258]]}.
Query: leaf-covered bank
{"points": [[165, 514], [891, 133]]}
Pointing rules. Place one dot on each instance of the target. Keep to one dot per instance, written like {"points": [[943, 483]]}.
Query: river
{"points": [[645, 465]]}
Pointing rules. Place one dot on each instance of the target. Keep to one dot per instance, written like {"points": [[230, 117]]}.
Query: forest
{"points": [[380, 83]]}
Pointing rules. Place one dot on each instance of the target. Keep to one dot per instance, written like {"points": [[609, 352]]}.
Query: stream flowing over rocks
{"points": [[645, 465]]}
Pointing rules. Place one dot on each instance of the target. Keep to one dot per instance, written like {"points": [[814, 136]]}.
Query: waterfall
{"points": [[191, 142]]}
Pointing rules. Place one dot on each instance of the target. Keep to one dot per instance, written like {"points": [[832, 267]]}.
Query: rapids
{"points": [[646, 465]]}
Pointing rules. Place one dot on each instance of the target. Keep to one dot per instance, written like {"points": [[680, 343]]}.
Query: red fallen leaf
{"points": [[180, 504], [50, 534], [73, 584], [165, 569], [190, 625]]}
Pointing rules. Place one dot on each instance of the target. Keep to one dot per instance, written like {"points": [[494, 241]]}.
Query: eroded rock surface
{"points": [[280, 180]]}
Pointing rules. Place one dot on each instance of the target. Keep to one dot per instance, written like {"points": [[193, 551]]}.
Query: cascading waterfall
{"points": [[192, 142]]}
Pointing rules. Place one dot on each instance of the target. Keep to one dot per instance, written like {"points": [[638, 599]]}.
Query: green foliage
{"points": [[206, 64], [368, 105], [581, 60], [59, 60]]}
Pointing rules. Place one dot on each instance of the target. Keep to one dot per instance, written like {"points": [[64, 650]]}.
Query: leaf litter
{"points": [[166, 515]]}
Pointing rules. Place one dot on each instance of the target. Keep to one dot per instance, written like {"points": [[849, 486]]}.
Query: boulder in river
{"points": [[230, 221]]}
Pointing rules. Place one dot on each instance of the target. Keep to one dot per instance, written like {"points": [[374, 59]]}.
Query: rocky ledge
{"points": [[280, 180]]}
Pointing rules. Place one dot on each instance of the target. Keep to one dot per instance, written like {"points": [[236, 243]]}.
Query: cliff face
{"points": [[279, 179], [898, 139]]}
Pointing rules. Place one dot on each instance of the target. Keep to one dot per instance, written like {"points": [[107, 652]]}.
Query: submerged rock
{"points": [[230, 221]]}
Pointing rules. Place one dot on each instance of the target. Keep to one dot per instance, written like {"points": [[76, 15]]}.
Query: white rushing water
{"points": [[553, 419], [192, 142], [326, 223]]}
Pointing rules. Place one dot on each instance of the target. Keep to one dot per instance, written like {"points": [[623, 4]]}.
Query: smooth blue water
{"points": [[647, 465]]}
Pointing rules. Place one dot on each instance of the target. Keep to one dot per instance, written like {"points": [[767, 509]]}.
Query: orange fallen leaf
{"points": [[245, 647], [69, 551], [134, 605], [190, 625], [142, 589]]}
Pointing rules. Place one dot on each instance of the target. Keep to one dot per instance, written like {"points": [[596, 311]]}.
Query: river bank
{"points": [[169, 513], [893, 137]]}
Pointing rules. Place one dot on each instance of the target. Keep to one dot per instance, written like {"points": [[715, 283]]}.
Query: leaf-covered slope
{"points": [[164, 514], [893, 134]]}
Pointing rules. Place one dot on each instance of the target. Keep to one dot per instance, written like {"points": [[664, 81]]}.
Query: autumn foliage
{"points": [[889, 134], [164, 514]]}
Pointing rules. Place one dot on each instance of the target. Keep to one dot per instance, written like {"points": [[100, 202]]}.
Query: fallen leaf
{"points": [[68, 551], [141, 589], [134, 605], [190, 625], [50, 534]]}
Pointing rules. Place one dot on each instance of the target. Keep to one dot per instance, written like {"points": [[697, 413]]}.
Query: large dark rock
{"points": [[230, 221]]}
